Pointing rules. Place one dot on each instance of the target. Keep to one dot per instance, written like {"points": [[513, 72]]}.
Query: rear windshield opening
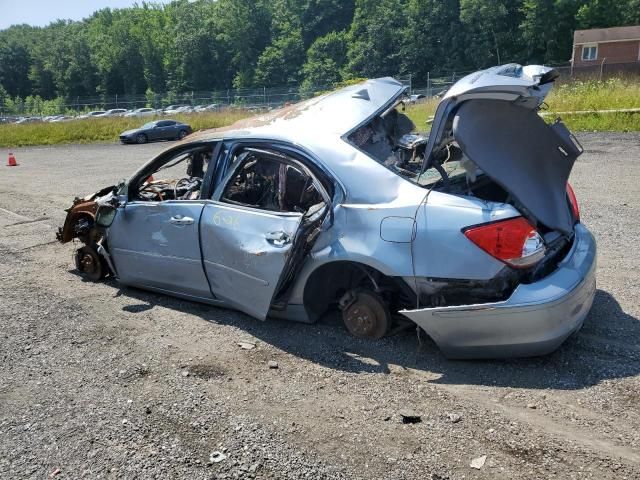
{"points": [[392, 140]]}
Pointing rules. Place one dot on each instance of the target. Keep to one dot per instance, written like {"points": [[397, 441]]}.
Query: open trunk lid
{"points": [[492, 115], [519, 151]]}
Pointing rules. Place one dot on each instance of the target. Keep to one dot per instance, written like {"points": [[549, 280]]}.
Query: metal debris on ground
{"points": [[246, 345], [478, 463], [217, 457], [454, 417], [272, 364]]}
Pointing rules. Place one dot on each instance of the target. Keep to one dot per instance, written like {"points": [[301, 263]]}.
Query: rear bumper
{"points": [[535, 320]]}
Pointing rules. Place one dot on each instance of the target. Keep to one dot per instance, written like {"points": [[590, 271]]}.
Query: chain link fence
{"points": [[253, 99], [257, 99]]}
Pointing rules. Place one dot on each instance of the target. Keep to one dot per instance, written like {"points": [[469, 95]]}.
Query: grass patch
{"points": [[606, 122], [419, 113], [575, 96], [100, 129], [610, 94]]}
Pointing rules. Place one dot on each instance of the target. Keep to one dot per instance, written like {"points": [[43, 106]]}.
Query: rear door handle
{"points": [[180, 220], [279, 239]]}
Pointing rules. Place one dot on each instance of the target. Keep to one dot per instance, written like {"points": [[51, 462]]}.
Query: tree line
{"points": [[210, 45]]}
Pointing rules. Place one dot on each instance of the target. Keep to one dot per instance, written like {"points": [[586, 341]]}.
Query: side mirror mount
{"points": [[105, 215], [109, 204]]}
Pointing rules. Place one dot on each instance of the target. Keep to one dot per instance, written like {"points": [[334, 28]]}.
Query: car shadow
{"points": [[605, 348]]}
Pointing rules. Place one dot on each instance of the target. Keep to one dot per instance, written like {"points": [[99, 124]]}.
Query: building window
{"points": [[589, 52]]}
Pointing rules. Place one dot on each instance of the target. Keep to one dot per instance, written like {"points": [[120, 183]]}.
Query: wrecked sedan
{"points": [[471, 231]]}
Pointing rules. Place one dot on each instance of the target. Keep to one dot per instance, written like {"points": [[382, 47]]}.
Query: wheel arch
{"points": [[327, 282], [83, 211]]}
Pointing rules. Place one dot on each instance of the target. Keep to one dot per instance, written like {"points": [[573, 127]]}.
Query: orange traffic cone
{"points": [[11, 162]]}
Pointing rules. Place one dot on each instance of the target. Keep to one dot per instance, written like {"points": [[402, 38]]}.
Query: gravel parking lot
{"points": [[99, 381]]}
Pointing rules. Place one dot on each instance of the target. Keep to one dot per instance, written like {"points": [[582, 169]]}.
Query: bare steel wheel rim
{"points": [[360, 319], [88, 263], [366, 315]]}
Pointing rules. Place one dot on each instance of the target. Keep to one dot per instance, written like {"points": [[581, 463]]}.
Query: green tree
{"points": [[434, 40], [280, 62], [14, 68], [320, 17], [243, 28], [217, 44], [325, 59], [115, 52], [492, 31], [602, 13], [148, 31], [69, 60], [547, 29], [193, 57], [375, 39], [4, 96], [632, 13], [40, 74]]}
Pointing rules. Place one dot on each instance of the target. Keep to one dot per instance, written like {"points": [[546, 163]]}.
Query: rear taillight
{"points": [[573, 201], [513, 241]]}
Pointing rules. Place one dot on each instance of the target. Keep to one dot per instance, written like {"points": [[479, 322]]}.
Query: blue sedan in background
{"points": [[156, 130]]}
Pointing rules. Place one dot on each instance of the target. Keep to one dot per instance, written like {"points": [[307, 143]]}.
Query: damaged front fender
{"points": [[80, 220]]}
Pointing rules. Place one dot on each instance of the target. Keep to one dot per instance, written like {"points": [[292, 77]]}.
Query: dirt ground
{"points": [[98, 381]]}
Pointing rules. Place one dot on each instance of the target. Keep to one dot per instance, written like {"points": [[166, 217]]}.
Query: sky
{"points": [[43, 12]]}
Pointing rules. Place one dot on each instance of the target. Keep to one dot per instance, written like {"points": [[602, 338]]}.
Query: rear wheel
{"points": [[182, 134], [365, 314], [89, 263], [141, 138]]}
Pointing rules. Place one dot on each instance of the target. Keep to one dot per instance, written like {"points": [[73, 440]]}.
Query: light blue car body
{"points": [[228, 255]]}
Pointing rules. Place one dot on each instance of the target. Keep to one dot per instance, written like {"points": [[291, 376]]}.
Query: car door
{"points": [[156, 244], [153, 132], [249, 237], [160, 130], [170, 130]]}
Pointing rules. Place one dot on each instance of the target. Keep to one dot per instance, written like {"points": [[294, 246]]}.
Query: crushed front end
{"points": [[92, 259]]}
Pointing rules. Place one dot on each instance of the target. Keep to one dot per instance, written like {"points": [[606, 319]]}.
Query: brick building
{"points": [[611, 45]]}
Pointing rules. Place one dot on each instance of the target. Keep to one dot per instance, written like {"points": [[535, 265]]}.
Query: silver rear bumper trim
{"points": [[535, 320]]}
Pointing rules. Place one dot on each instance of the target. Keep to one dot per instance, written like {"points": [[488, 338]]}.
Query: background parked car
{"points": [[61, 118], [173, 109], [93, 114], [156, 130], [207, 108], [22, 120], [141, 112], [115, 112]]}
